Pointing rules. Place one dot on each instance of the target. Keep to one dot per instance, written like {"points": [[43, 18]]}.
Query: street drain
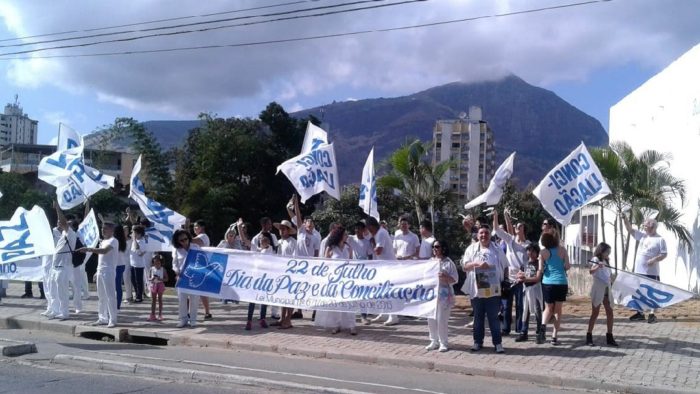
{"points": [[97, 336], [145, 340]]}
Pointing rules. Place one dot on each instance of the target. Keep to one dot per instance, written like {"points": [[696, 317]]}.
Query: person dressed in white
{"points": [[447, 276], [406, 244], [187, 303], [337, 248], [287, 247], [383, 250], [255, 246], [426, 244], [361, 250], [308, 240], [78, 272], [324, 241], [106, 271], [46, 263], [61, 267], [126, 277], [202, 239], [601, 292], [652, 249], [122, 263], [137, 260]]}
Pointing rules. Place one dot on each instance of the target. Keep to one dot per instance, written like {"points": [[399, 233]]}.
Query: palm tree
{"points": [[419, 182], [641, 184]]}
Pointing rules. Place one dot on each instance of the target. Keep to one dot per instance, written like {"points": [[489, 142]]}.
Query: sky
{"points": [[591, 55]]}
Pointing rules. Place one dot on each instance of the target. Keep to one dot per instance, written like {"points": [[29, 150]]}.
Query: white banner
{"points": [[570, 185], [27, 235], [164, 221], [68, 138], [362, 286], [368, 188], [85, 182], [313, 172], [89, 232], [314, 137], [28, 270], [643, 294], [493, 194]]}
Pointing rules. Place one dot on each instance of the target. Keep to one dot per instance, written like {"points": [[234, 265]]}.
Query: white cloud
{"points": [[543, 48]]}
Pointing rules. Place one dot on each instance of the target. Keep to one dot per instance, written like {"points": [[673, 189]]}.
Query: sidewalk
{"points": [[652, 358]]}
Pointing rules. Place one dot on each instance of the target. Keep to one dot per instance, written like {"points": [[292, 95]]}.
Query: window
{"points": [[589, 230], [455, 144]]}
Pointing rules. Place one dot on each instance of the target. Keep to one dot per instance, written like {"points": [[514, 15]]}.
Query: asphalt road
{"points": [[34, 373]]}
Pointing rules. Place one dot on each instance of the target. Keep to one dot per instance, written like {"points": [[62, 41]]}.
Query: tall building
{"points": [[16, 127], [469, 142]]}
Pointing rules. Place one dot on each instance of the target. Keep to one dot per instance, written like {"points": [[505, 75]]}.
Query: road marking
{"points": [[273, 372]]}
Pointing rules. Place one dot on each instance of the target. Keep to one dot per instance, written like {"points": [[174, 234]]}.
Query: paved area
{"points": [[652, 357]]}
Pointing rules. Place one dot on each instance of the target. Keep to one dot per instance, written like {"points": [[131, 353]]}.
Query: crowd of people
{"points": [[508, 277]]}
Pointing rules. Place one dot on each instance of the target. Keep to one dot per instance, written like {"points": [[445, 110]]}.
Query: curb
{"points": [[9, 348], [185, 375], [176, 339]]}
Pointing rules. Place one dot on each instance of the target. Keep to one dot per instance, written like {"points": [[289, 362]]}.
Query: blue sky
{"points": [[592, 56]]}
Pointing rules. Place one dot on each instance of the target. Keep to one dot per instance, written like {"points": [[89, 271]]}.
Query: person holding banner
{"points": [[202, 239], [484, 264], [61, 269], [106, 272], [554, 262], [438, 327], [383, 250], [601, 292], [337, 248], [652, 249], [187, 303], [287, 247]]}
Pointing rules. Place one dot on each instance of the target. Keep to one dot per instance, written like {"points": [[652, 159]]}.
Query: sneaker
{"points": [[27, 295], [443, 349], [62, 317], [637, 316], [151, 318], [160, 317], [391, 322], [652, 318], [470, 324], [208, 316], [499, 348], [476, 347], [377, 319], [248, 325], [263, 323], [181, 324], [45, 313], [521, 338], [51, 316], [111, 325], [193, 324], [432, 346], [78, 311]]}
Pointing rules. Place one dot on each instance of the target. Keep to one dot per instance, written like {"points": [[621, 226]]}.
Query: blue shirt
{"points": [[554, 272]]}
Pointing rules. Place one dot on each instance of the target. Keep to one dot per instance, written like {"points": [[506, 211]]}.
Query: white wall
{"points": [[664, 114]]}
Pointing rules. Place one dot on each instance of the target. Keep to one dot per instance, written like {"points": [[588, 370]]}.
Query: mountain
{"points": [[535, 122], [169, 133]]}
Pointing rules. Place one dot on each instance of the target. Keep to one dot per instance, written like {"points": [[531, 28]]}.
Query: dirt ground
{"points": [[687, 312]]}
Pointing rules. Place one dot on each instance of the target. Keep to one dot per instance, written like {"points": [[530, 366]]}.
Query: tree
{"points": [[19, 192], [420, 182], [641, 184]]}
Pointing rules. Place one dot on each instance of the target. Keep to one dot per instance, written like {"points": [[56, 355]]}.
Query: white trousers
{"points": [[106, 296], [128, 287], [183, 310], [76, 280], [390, 318], [58, 283], [46, 266], [437, 327]]}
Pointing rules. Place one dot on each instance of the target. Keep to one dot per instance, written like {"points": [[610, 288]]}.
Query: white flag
{"points": [[643, 294], [68, 138], [314, 137], [26, 235], [89, 232], [573, 183], [164, 221], [368, 188], [84, 182], [313, 172], [493, 194]]}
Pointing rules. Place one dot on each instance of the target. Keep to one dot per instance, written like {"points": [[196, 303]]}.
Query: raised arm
{"points": [[297, 211], [628, 225], [509, 223], [62, 222]]}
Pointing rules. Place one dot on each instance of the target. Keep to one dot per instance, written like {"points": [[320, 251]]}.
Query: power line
{"points": [[315, 37], [357, 2], [159, 20]]}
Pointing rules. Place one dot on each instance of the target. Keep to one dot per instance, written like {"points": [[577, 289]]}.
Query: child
{"points": [[156, 279], [532, 296], [600, 292]]}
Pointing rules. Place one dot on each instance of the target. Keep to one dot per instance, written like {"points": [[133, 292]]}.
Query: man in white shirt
{"points": [[287, 247], [652, 249], [426, 245], [359, 242], [106, 273], [265, 227], [202, 239], [308, 239], [406, 243], [62, 267], [383, 250]]}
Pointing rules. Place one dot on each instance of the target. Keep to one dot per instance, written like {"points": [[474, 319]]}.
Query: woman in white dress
{"points": [[337, 248], [601, 292]]}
